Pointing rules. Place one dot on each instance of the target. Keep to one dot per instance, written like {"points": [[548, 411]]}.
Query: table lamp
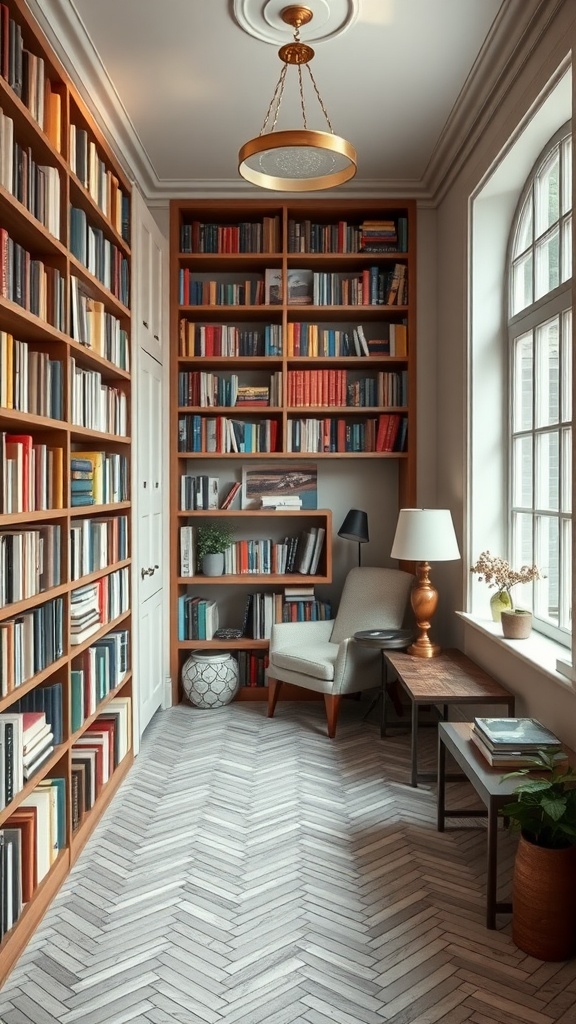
{"points": [[355, 527], [424, 535]]}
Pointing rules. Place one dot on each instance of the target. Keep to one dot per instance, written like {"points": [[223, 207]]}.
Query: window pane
{"points": [[522, 472], [522, 383], [566, 577], [547, 193], [524, 235], [522, 283], [547, 262], [547, 359], [567, 249], [547, 560], [567, 470], [522, 540], [547, 471], [567, 175], [566, 412]]}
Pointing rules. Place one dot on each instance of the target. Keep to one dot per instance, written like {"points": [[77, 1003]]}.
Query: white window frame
{"points": [[556, 304]]}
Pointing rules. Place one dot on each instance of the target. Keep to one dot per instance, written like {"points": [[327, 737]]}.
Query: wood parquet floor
{"points": [[251, 870]]}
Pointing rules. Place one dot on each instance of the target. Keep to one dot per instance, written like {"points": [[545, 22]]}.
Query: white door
{"points": [[150, 332]]}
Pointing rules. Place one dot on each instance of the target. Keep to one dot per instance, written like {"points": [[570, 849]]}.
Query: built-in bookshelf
{"points": [[293, 330], [65, 567]]}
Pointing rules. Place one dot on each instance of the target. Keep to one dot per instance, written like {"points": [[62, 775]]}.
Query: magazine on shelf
{"points": [[515, 733], [514, 758]]}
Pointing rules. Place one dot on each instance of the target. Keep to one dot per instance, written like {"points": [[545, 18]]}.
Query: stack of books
{"points": [[513, 742]]}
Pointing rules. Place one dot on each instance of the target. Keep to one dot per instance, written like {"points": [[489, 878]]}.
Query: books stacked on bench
{"points": [[513, 742]]}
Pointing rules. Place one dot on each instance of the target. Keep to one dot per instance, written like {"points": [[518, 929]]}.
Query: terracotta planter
{"points": [[516, 625], [544, 901]]}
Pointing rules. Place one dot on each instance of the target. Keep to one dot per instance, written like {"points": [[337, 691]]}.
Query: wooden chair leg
{"points": [[332, 705], [274, 686]]}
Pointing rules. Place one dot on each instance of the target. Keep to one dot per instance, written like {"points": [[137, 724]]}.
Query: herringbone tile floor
{"points": [[250, 870]]}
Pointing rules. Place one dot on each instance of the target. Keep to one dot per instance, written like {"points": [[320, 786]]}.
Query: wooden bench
{"points": [[451, 678]]}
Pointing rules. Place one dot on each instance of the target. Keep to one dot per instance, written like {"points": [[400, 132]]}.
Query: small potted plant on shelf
{"points": [[212, 541], [497, 572], [543, 890]]}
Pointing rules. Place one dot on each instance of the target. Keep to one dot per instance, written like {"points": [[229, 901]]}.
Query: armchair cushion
{"points": [[314, 659]]}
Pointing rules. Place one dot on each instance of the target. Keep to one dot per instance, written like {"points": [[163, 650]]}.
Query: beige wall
{"points": [[538, 694]]}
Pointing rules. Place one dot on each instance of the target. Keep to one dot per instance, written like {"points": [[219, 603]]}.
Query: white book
{"points": [[41, 799], [187, 551]]}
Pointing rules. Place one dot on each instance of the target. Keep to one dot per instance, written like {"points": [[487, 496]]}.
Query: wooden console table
{"points": [[451, 678]]}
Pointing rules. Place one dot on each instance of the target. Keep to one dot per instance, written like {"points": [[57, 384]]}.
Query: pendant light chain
{"points": [[324, 111], [278, 92]]}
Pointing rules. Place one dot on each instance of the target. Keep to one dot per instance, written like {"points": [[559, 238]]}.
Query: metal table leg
{"points": [[414, 745]]}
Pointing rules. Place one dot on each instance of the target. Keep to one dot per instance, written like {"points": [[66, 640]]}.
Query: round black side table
{"points": [[386, 640]]}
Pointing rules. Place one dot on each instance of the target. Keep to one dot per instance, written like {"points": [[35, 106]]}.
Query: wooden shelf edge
{"points": [[91, 819]]}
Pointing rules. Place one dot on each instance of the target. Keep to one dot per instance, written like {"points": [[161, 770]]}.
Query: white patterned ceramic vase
{"points": [[210, 679]]}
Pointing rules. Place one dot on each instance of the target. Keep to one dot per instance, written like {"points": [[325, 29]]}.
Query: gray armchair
{"points": [[323, 656]]}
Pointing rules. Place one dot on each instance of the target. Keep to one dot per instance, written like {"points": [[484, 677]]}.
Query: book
{"points": [[233, 493], [518, 734], [512, 758]]}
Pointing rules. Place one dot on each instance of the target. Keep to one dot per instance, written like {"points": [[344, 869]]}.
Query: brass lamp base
{"points": [[424, 600]]}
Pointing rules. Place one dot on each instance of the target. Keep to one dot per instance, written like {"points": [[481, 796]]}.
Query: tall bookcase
{"points": [[293, 329], [65, 568]]}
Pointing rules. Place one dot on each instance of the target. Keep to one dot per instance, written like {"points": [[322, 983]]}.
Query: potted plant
{"points": [[497, 572], [212, 541], [543, 889]]}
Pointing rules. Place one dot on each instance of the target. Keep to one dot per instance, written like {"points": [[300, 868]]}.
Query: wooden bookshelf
{"points": [[290, 343], [64, 393]]}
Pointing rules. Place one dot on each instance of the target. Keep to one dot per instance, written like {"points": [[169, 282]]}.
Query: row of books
{"points": [[99, 180], [30, 841], [29, 380], [97, 671], [29, 643], [96, 544], [36, 186], [25, 73], [198, 618], [346, 388], [99, 255], [26, 742], [97, 603], [306, 339], [198, 292], [98, 478], [199, 388], [390, 235], [92, 326], [30, 283], [246, 236], [264, 556], [96, 405], [97, 753], [29, 562], [513, 742], [386, 433], [228, 340], [264, 610], [197, 433], [375, 286], [34, 833], [31, 474]]}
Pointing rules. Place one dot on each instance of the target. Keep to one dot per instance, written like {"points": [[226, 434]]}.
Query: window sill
{"points": [[537, 651]]}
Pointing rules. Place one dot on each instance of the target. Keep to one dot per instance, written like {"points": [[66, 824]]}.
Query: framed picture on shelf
{"points": [[300, 287], [280, 486], [273, 286]]}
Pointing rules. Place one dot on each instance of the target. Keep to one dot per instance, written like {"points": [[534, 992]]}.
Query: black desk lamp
{"points": [[355, 527]]}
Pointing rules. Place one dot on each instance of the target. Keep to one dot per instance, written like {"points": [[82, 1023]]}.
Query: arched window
{"points": [[540, 380]]}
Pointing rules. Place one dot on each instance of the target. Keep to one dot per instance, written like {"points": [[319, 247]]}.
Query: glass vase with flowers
{"points": [[497, 572]]}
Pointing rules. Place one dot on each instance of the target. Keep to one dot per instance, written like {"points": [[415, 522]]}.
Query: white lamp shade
{"points": [[425, 535]]}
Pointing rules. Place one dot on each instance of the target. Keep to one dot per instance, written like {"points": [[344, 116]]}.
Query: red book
{"points": [[381, 433], [106, 727]]}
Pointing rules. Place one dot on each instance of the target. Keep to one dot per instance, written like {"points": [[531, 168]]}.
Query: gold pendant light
{"points": [[297, 160]]}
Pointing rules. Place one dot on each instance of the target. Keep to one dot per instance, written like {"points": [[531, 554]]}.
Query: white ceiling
{"points": [[190, 86]]}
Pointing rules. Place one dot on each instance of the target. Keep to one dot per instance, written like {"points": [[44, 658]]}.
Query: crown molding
{"points": [[514, 35]]}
